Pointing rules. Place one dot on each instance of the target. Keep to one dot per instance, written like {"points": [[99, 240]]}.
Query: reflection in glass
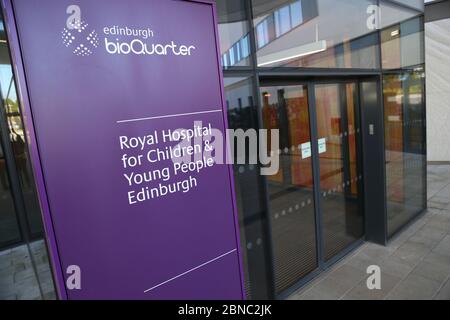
{"points": [[9, 228], [416, 4], [312, 33], [291, 190], [397, 11], [402, 45], [28, 271], [234, 33], [18, 141], [17, 138], [340, 173], [405, 147]]}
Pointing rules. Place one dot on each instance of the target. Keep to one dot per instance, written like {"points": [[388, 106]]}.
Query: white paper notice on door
{"points": [[322, 145], [306, 150]]}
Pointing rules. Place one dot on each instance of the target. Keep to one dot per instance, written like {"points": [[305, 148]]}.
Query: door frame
{"points": [[310, 82]]}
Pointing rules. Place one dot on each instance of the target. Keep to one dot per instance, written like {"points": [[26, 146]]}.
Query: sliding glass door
{"points": [[291, 190], [315, 199], [338, 132]]}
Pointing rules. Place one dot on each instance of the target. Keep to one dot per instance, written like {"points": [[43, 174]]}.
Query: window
{"points": [[296, 14], [262, 32], [282, 21]]}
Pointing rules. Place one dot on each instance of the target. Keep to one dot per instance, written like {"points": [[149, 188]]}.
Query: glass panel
{"points": [[250, 197], [17, 138], [394, 13], [18, 141], [291, 190], [262, 34], [402, 45], [296, 13], [405, 147], [282, 21], [233, 30], [416, 4], [340, 174], [312, 33], [28, 275], [9, 228]]}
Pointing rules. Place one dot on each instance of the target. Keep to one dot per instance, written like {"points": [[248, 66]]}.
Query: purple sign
{"points": [[118, 92]]}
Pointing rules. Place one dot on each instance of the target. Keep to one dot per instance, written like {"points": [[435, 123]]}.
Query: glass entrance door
{"points": [[338, 133], [291, 190], [315, 199]]}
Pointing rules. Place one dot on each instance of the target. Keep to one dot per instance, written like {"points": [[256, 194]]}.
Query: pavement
{"points": [[414, 266], [19, 280]]}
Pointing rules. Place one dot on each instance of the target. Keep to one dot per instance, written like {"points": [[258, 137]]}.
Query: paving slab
{"points": [[362, 292], [432, 271], [444, 292], [415, 287]]}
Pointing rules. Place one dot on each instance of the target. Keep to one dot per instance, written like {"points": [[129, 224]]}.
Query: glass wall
{"points": [[24, 266], [234, 33], [250, 194], [18, 140], [403, 44], [315, 34], [397, 11], [403, 54], [404, 110], [9, 226]]}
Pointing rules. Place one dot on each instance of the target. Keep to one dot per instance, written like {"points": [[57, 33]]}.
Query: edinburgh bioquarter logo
{"points": [[84, 40], [77, 35]]}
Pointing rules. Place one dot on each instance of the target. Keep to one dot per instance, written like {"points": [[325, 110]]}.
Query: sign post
{"points": [[114, 94]]}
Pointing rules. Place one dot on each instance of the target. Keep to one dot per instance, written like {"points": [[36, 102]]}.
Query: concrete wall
{"points": [[437, 45]]}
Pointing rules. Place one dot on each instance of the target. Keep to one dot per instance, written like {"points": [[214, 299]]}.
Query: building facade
{"points": [[343, 82]]}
